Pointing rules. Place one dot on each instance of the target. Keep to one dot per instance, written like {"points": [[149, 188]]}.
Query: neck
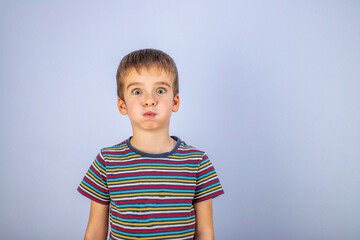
{"points": [[153, 142]]}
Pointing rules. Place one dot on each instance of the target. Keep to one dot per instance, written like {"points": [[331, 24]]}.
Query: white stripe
{"points": [[208, 180], [152, 197], [208, 193], [151, 169], [138, 213], [155, 226], [157, 183], [116, 159]]}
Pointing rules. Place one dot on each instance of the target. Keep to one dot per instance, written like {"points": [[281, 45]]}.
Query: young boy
{"points": [[152, 185]]}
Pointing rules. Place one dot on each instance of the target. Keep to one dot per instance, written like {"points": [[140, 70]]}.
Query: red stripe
{"points": [[205, 157], [207, 184], [206, 171], [95, 186], [210, 196], [154, 230], [152, 161], [116, 153], [151, 187], [151, 174], [89, 196], [189, 151], [150, 216], [97, 173], [100, 159], [153, 201]]}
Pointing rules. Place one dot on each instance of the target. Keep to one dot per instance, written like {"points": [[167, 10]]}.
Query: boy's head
{"points": [[148, 89], [146, 58]]}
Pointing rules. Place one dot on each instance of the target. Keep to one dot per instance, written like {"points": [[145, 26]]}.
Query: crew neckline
{"points": [[157, 155]]}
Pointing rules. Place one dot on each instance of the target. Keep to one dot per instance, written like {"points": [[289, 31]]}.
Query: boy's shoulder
{"points": [[188, 147], [123, 148], [119, 146]]}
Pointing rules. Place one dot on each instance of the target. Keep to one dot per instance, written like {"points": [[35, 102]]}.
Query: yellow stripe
{"points": [[185, 147], [98, 167], [203, 179], [117, 148], [151, 180], [95, 178], [151, 209], [90, 190], [141, 194], [149, 238], [120, 158], [148, 224], [147, 167], [186, 156], [204, 165], [209, 190]]}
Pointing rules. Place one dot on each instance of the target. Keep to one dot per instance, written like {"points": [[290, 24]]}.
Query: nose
{"points": [[150, 100]]}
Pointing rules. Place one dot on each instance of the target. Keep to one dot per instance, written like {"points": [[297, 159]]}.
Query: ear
{"points": [[122, 106], [176, 103]]}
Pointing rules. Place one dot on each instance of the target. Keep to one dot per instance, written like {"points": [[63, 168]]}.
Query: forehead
{"points": [[147, 74]]}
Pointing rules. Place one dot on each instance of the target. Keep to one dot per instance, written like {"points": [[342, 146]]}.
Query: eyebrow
{"points": [[131, 84], [157, 83], [163, 83]]}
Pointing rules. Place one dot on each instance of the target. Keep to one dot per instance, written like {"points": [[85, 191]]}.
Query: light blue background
{"points": [[269, 89]]}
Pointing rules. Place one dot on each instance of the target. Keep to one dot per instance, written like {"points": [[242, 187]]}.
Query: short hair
{"points": [[146, 58]]}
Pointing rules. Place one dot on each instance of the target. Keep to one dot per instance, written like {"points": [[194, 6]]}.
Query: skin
{"points": [[149, 90], [97, 227], [204, 227]]}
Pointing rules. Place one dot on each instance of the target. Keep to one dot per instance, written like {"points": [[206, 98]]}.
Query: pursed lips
{"points": [[149, 114]]}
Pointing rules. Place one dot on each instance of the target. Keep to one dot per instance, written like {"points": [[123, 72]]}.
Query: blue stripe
{"points": [[95, 175], [186, 154], [154, 191], [118, 155], [157, 219], [96, 190], [207, 174], [151, 165], [97, 161], [156, 173], [167, 233], [152, 177], [210, 186], [155, 205]]}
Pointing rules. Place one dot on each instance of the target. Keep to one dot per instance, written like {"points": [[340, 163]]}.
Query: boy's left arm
{"points": [[204, 227]]}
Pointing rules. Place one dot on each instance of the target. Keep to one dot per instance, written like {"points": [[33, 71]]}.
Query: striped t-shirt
{"points": [[151, 196]]}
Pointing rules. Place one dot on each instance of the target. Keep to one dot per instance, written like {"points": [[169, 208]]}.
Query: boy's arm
{"points": [[204, 228], [97, 228]]}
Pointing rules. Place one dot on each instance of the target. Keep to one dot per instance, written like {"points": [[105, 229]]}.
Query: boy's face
{"points": [[148, 99]]}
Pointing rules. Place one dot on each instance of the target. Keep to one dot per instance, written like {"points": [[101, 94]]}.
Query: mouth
{"points": [[149, 114]]}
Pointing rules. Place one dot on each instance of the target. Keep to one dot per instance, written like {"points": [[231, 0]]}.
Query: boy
{"points": [[152, 185]]}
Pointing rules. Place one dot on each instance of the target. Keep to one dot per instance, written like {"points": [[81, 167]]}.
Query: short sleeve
{"points": [[207, 182], [94, 184]]}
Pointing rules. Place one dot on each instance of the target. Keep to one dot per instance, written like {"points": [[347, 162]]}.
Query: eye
{"points": [[136, 91], [161, 90]]}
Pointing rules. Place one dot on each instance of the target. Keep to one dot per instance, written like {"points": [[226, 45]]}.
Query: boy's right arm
{"points": [[97, 228]]}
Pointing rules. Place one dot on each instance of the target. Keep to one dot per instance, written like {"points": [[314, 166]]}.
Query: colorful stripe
{"points": [[151, 197]]}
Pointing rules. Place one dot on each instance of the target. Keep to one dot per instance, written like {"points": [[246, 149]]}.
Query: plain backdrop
{"points": [[269, 89]]}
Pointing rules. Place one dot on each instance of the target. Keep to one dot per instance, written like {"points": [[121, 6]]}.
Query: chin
{"points": [[150, 126]]}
